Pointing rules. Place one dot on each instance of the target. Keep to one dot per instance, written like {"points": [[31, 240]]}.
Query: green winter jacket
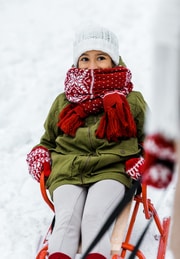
{"points": [[85, 159]]}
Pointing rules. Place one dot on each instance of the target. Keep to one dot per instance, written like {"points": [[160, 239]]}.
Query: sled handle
{"points": [[44, 192], [145, 201]]}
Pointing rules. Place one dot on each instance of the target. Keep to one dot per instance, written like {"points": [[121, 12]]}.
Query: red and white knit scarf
{"points": [[91, 91]]}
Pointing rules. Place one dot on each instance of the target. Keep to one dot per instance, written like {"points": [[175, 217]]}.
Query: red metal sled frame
{"points": [[149, 212]]}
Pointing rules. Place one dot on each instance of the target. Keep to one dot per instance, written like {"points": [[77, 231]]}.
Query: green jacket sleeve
{"points": [[138, 107], [51, 132]]}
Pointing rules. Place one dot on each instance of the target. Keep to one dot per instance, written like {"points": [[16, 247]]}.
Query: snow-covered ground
{"points": [[35, 53]]}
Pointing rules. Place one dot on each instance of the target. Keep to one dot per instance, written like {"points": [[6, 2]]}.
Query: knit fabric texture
{"points": [[93, 37], [93, 91]]}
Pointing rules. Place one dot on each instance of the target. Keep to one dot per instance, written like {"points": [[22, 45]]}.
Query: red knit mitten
{"points": [[39, 160], [159, 163], [133, 167]]}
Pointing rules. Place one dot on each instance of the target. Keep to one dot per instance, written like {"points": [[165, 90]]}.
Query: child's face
{"points": [[95, 59]]}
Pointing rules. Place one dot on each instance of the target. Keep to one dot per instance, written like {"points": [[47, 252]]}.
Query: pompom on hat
{"points": [[95, 37]]}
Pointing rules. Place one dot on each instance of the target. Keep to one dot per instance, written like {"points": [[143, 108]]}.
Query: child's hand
{"points": [[133, 167], [39, 160], [159, 163]]}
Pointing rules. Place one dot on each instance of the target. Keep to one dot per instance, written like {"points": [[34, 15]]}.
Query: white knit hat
{"points": [[94, 37]]}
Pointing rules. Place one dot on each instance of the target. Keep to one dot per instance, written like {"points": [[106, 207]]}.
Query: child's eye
{"points": [[101, 58], [84, 59]]}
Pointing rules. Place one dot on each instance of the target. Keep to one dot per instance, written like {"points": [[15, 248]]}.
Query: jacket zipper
{"points": [[89, 156]]}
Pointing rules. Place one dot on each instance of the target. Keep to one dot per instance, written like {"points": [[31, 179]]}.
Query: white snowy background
{"points": [[35, 53]]}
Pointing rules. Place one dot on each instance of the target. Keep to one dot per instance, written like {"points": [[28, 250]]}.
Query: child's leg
{"points": [[69, 203], [102, 198]]}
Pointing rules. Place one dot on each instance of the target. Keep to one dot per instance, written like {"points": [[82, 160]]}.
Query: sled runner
{"points": [[126, 220]]}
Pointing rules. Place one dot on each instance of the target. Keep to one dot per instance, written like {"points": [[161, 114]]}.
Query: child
{"points": [[90, 150]]}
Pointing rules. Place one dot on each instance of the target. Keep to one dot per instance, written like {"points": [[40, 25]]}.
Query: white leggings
{"points": [[81, 211]]}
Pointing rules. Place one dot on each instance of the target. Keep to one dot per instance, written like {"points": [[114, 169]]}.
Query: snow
{"points": [[35, 53]]}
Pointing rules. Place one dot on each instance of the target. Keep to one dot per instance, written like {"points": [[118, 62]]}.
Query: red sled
{"points": [[126, 220]]}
